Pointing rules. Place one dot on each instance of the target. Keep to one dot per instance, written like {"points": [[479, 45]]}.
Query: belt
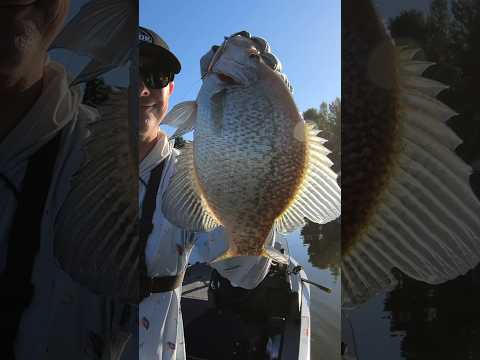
{"points": [[162, 284]]}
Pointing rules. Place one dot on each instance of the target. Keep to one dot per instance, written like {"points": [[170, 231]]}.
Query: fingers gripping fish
{"points": [[255, 164]]}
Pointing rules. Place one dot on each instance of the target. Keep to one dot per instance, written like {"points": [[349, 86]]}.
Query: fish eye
{"points": [[254, 53]]}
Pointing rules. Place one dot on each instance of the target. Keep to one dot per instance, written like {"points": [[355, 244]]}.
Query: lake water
{"points": [[421, 321], [315, 250]]}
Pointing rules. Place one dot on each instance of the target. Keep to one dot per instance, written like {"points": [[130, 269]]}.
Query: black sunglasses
{"points": [[154, 79]]}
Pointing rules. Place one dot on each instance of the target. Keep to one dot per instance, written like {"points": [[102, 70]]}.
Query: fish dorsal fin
{"points": [[183, 204], [318, 196], [427, 222], [182, 117]]}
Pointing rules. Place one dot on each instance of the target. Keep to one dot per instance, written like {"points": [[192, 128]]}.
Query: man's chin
{"points": [[19, 50]]}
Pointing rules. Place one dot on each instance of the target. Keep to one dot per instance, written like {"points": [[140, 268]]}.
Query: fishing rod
{"points": [[321, 287], [298, 268]]}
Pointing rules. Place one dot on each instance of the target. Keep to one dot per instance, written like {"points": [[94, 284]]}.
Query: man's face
{"points": [[153, 105], [27, 28]]}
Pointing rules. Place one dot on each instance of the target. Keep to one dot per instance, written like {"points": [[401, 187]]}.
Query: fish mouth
{"points": [[19, 3], [227, 79]]}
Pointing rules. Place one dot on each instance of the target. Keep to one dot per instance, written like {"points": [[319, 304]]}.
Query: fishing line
{"points": [[190, 87], [352, 330], [286, 242]]}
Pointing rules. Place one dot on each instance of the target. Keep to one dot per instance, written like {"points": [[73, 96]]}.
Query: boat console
{"points": [[226, 322]]}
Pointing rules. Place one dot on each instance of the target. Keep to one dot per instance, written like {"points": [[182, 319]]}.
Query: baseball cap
{"points": [[153, 46]]}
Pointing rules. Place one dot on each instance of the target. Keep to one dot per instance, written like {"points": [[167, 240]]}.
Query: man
{"points": [[167, 247], [44, 314]]}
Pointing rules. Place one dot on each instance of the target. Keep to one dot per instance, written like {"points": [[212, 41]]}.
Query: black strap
{"points": [[146, 223], [150, 202], [164, 283], [24, 243]]}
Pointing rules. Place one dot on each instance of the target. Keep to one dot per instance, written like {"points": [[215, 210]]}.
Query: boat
{"points": [[270, 322]]}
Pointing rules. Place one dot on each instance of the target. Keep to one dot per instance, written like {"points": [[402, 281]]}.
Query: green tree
{"points": [[437, 42], [465, 33], [409, 28]]}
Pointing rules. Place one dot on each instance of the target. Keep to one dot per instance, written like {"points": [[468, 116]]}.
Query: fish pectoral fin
{"points": [[275, 255], [183, 204], [182, 117], [318, 197]]}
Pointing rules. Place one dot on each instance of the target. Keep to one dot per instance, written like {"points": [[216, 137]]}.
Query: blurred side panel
{"points": [[69, 249], [410, 140]]}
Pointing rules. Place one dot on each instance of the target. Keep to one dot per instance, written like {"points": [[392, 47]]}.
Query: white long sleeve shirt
{"points": [[167, 253]]}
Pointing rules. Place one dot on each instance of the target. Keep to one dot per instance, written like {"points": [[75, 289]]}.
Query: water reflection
{"points": [[432, 327], [323, 243], [317, 248], [421, 321]]}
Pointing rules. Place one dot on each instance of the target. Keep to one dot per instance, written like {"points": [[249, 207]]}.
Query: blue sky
{"points": [[305, 38]]}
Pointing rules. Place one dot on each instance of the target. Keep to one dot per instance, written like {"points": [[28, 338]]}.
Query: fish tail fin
{"points": [[275, 255], [231, 252]]}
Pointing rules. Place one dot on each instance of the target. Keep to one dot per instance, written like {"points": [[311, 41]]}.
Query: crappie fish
{"points": [[407, 203], [254, 164]]}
